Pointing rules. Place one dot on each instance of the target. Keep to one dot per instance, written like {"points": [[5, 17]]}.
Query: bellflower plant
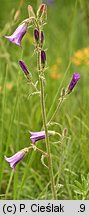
{"points": [[37, 22]]}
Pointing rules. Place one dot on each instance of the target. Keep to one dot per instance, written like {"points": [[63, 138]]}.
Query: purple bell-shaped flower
{"points": [[17, 36]]}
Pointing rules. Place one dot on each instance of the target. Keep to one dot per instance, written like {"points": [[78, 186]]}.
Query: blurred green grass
{"points": [[65, 33]]}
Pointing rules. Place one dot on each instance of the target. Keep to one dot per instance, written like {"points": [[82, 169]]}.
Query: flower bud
{"points": [[36, 35], [30, 11], [24, 67], [42, 12], [43, 57], [42, 37], [73, 82], [25, 70]]}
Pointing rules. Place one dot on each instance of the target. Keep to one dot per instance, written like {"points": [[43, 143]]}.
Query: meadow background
{"points": [[67, 43]]}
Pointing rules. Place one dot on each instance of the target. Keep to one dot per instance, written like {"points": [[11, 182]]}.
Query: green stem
{"points": [[42, 98], [56, 110], [9, 184], [61, 100]]}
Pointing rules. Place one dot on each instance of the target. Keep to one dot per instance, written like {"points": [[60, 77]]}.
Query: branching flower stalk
{"points": [[61, 100], [41, 69], [64, 93]]}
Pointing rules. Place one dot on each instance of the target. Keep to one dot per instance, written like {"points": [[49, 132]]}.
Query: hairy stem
{"points": [[42, 98]]}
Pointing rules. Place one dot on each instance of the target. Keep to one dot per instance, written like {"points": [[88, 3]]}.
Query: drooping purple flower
{"points": [[43, 57], [24, 67], [35, 136], [73, 82], [16, 158], [17, 36]]}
